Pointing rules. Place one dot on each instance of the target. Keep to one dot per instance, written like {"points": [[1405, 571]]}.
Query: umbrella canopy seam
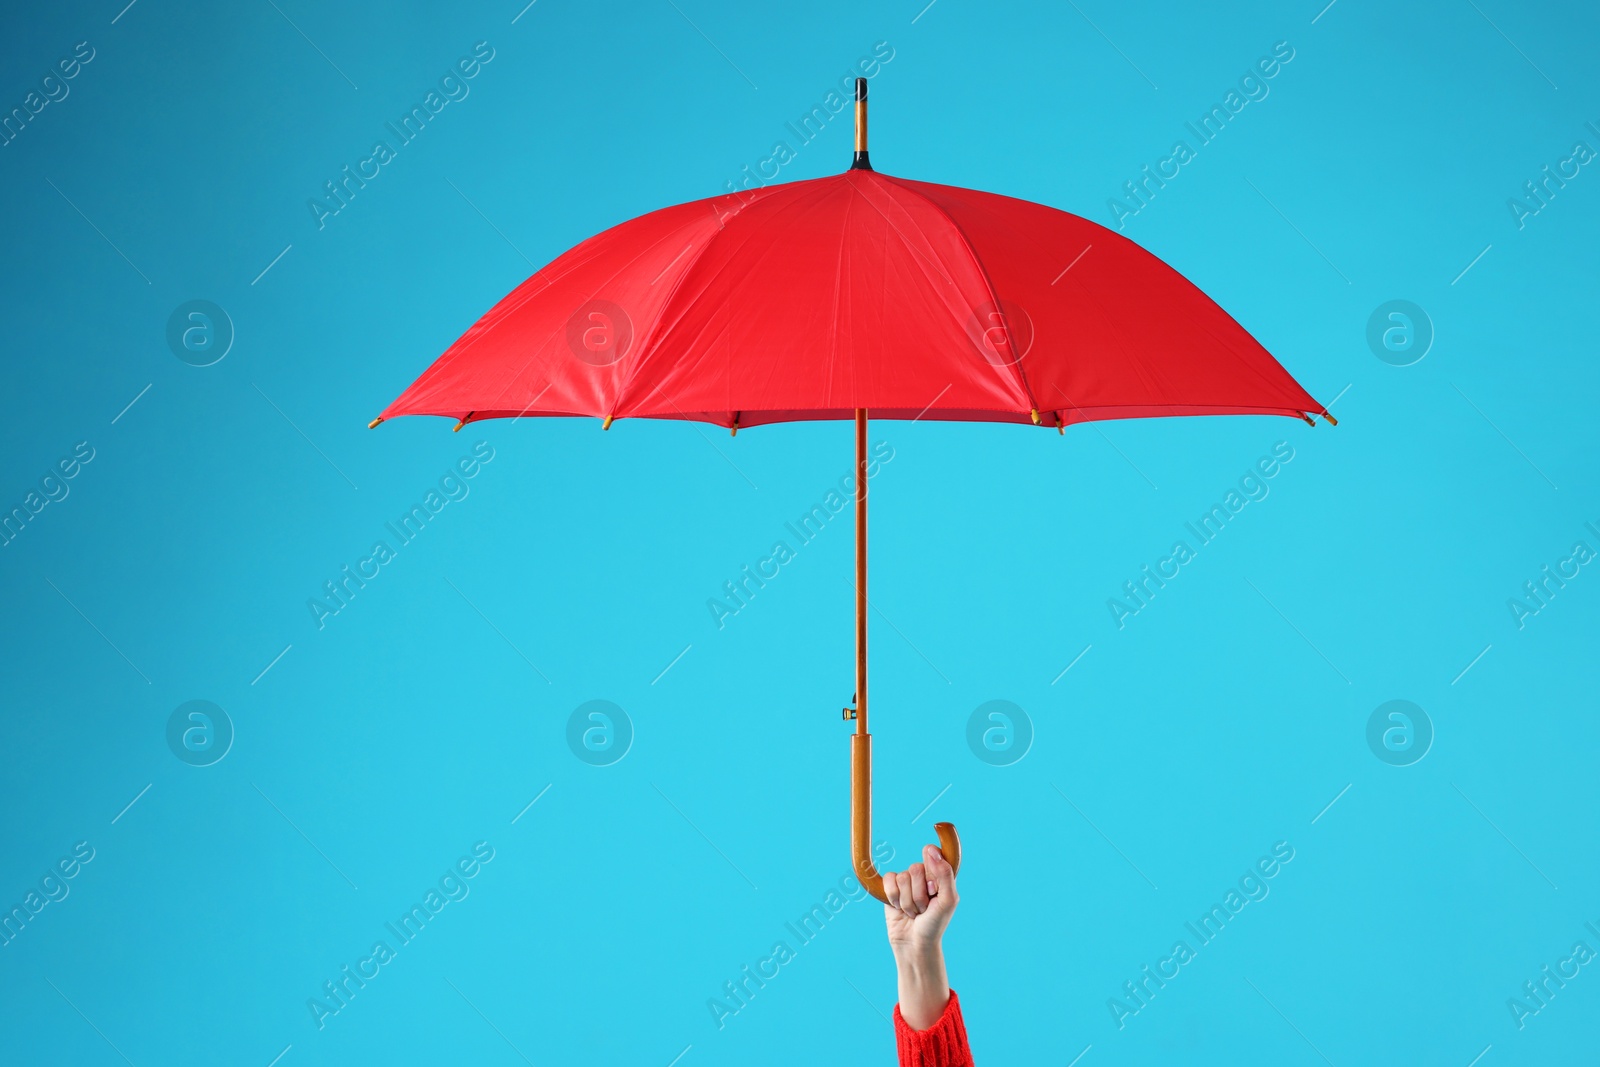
{"points": [[983, 275]]}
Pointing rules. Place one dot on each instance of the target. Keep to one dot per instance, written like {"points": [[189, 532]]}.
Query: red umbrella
{"points": [[858, 293]]}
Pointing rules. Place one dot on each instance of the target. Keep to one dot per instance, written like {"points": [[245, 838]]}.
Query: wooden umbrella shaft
{"points": [[861, 160], [861, 570], [861, 742]]}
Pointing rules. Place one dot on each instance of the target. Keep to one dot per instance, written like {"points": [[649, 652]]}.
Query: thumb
{"points": [[939, 870]]}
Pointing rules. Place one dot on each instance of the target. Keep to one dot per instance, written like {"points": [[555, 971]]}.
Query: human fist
{"points": [[921, 900]]}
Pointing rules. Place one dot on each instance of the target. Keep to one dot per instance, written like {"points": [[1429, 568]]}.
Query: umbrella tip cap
{"points": [[373, 425]]}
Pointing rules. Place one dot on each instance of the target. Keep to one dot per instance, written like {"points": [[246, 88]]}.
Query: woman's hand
{"points": [[922, 899]]}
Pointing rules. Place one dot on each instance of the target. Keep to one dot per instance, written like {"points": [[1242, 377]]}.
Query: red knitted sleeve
{"points": [[944, 1044]]}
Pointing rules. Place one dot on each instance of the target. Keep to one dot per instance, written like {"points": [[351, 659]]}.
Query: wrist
{"points": [[924, 986], [919, 961]]}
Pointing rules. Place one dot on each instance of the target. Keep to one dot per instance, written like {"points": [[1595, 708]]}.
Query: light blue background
{"points": [[1222, 719]]}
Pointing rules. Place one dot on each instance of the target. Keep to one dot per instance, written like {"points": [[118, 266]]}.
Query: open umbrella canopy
{"points": [[854, 295], [817, 298]]}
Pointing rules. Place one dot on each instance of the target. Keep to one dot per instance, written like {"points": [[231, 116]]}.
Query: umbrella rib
{"points": [[534, 351], [1135, 365], [660, 327], [450, 355], [838, 286], [904, 239], [550, 278], [983, 275]]}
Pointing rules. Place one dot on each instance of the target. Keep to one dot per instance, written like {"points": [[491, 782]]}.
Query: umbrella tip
{"points": [[463, 421], [606, 425], [1035, 416], [1331, 420], [861, 161], [373, 425]]}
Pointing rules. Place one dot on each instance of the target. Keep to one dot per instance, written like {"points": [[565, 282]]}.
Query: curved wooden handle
{"points": [[949, 844], [861, 821]]}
